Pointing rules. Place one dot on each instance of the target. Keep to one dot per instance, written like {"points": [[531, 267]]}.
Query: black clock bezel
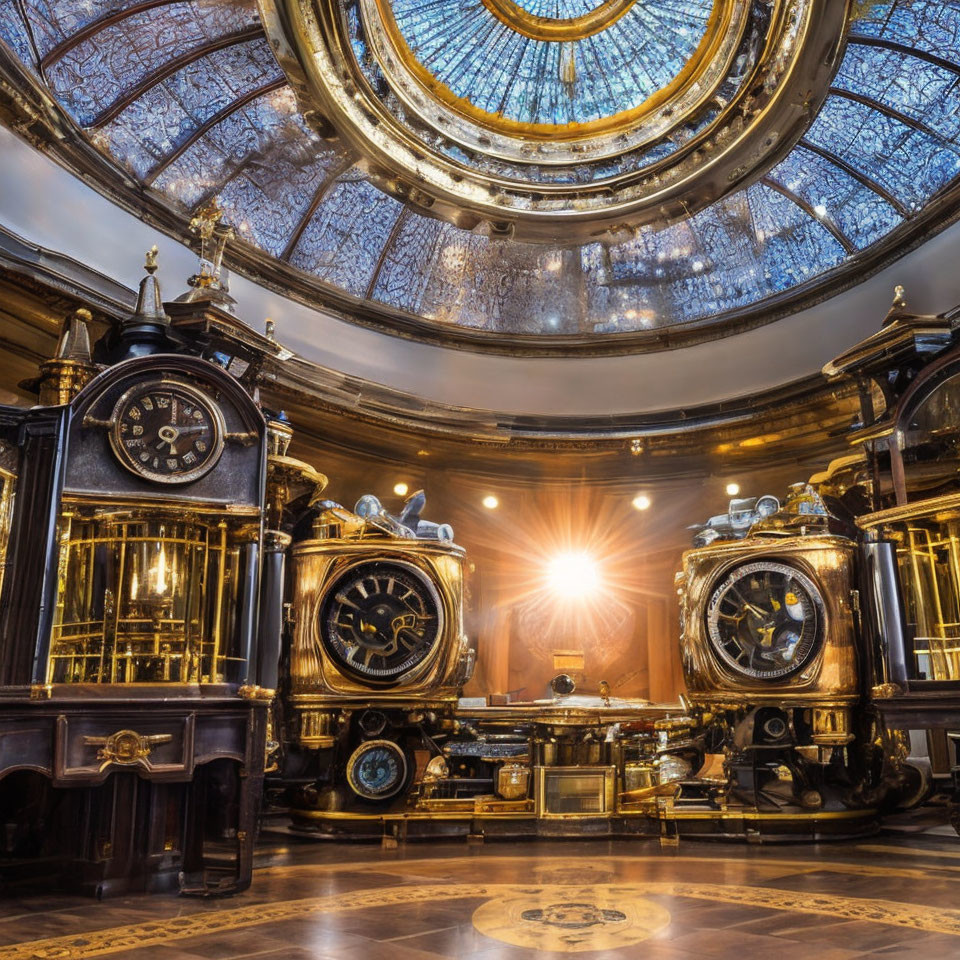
{"points": [[350, 573], [198, 396], [718, 589]]}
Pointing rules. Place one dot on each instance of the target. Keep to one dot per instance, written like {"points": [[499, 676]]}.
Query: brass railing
{"points": [[927, 540], [143, 599]]}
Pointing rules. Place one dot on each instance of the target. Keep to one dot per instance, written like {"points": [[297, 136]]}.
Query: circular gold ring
{"points": [[558, 30]]}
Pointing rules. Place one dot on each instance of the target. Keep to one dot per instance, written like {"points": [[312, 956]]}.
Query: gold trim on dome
{"points": [[522, 21], [404, 156], [706, 67]]}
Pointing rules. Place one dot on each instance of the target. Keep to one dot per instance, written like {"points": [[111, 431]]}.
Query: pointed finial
{"points": [[75, 337], [149, 299], [897, 308], [63, 376]]}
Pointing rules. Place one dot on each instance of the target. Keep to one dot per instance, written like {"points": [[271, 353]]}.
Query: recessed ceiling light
{"points": [[400, 489], [641, 501], [490, 502]]}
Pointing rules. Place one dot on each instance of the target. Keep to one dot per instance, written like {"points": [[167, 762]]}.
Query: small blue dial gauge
{"points": [[377, 770]]}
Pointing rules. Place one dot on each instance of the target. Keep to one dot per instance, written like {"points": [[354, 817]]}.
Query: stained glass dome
{"points": [[544, 175]]}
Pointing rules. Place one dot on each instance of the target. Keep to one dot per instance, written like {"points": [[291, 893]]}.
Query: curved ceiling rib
{"points": [[378, 266], [170, 68], [883, 108], [885, 43], [219, 117], [808, 209], [334, 175], [852, 171], [187, 96], [95, 26]]}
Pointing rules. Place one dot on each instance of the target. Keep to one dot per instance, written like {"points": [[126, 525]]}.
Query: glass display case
{"points": [[145, 598]]}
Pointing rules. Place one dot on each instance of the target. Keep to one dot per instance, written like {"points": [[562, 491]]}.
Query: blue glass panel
{"points": [[914, 87], [502, 72], [43, 24], [344, 238], [55, 20], [243, 139], [447, 274], [861, 214], [14, 32], [404, 272], [267, 199], [929, 25], [154, 125], [910, 164], [752, 245], [96, 73]]}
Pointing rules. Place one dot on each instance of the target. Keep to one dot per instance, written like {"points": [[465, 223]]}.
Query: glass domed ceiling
{"points": [[568, 130]]}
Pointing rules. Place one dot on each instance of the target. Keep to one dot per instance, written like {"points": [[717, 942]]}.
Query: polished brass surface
{"points": [[126, 747], [551, 28], [832, 726], [577, 792], [64, 375], [316, 565], [513, 781], [831, 676]]}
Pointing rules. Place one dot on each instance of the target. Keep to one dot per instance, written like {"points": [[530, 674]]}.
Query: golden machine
{"points": [[821, 639], [140, 608], [379, 736]]}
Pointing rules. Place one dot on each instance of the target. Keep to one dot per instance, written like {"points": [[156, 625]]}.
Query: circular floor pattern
{"points": [[568, 919]]}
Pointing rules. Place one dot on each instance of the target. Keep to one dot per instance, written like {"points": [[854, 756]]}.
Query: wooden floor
{"points": [[896, 895]]}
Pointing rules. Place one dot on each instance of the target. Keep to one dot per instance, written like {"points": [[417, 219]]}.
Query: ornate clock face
{"points": [[377, 770], [167, 431], [764, 619], [380, 620]]}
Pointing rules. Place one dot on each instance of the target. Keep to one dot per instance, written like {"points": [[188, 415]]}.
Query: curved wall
{"points": [[50, 207]]}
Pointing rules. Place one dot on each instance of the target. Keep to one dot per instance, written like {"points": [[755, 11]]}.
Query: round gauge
{"points": [[764, 619], [381, 620], [167, 431], [377, 770]]}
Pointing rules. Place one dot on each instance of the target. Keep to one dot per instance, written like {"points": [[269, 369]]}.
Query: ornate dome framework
{"points": [[186, 100]]}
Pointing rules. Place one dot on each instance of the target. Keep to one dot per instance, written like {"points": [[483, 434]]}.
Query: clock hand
{"points": [[753, 608], [168, 433]]}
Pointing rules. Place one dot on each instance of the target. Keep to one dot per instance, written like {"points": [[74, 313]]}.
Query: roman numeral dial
{"points": [[167, 431]]}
